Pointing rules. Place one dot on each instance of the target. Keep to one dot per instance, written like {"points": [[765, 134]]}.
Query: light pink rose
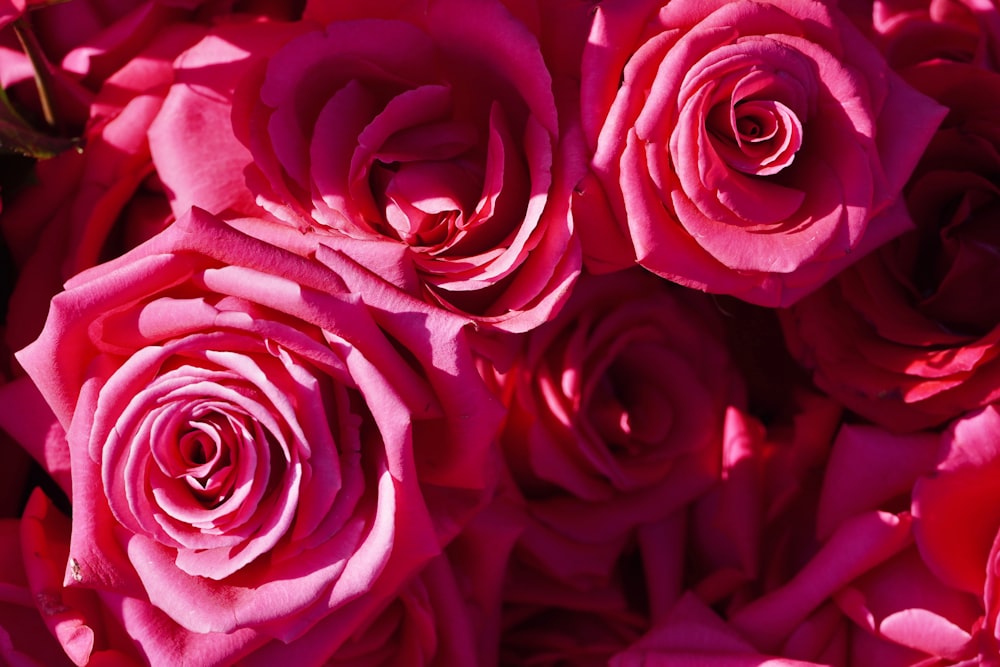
{"points": [[752, 148], [428, 142], [244, 433]]}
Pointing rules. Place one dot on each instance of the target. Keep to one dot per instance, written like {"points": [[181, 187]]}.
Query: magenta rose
{"points": [[910, 336], [430, 146], [617, 415], [447, 614], [745, 148], [245, 433], [620, 410]]}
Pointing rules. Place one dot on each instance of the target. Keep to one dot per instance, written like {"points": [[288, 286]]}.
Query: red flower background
{"points": [[500, 332]]}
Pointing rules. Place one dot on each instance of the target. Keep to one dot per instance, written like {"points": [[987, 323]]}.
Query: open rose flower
{"points": [[250, 449], [746, 148], [429, 146], [620, 409], [910, 336]]}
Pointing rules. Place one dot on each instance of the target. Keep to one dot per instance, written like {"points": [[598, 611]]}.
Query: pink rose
{"points": [[617, 416], [430, 146], [745, 148], [447, 614], [244, 434], [620, 410], [909, 337]]}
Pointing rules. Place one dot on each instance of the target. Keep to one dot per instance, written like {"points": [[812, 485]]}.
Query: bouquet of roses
{"points": [[500, 332]]}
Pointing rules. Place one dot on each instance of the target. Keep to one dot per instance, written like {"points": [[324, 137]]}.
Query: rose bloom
{"points": [[909, 336], [447, 614], [619, 411], [745, 148], [617, 414], [251, 451], [427, 143]]}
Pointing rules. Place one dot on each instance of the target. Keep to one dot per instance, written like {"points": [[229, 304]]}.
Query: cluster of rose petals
{"points": [[746, 148], [249, 449], [428, 146], [310, 369], [892, 579], [910, 336]]}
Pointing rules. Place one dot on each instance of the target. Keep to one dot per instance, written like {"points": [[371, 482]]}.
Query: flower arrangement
{"points": [[458, 333]]}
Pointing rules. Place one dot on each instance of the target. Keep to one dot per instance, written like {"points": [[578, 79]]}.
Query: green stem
{"points": [[40, 65]]}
